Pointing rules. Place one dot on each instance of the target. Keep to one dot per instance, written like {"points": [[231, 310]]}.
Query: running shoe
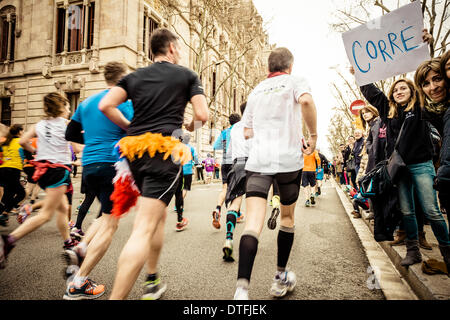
{"points": [[275, 202], [283, 283], [153, 290], [182, 225], [241, 294], [76, 233], [89, 290], [4, 219], [313, 201], [228, 250], [272, 222], [240, 218], [5, 249], [307, 203], [216, 219], [24, 212], [317, 194]]}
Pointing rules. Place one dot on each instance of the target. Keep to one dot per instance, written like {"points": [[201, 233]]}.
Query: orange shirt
{"points": [[309, 161]]}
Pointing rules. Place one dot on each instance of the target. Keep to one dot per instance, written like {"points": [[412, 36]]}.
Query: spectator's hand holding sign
{"points": [[387, 46]]}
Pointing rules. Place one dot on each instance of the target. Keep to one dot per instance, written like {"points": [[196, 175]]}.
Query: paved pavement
{"points": [[328, 256]]}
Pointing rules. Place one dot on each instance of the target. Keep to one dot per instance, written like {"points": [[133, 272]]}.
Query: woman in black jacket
{"points": [[402, 107], [432, 80], [376, 137]]}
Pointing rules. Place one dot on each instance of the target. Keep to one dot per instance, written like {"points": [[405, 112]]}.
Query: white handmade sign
{"points": [[387, 46]]}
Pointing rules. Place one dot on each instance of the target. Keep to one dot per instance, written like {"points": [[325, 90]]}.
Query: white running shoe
{"points": [[283, 283], [241, 294]]}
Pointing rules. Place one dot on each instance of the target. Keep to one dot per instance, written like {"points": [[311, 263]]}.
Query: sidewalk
{"points": [[424, 286]]}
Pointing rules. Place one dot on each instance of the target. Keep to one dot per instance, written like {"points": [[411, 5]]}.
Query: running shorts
{"points": [[258, 185], [187, 182], [98, 179], [225, 170], [156, 178], [309, 178], [55, 177]]}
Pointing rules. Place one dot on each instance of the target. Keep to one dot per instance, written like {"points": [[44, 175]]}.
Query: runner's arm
{"points": [[309, 114], [26, 139], [115, 97], [200, 108]]}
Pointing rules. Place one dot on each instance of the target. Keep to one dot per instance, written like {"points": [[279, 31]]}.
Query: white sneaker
{"points": [[241, 294], [283, 283]]}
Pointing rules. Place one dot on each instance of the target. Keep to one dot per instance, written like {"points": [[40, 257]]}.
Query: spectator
{"points": [[376, 138], [434, 92], [401, 108]]}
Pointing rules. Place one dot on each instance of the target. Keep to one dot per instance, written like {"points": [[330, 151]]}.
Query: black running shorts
{"points": [[98, 179], [258, 185], [55, 177], [309, 178], [187, 181], [225, 169], [156, 178]]}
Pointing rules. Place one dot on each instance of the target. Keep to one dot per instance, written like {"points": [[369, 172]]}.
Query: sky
{"points": [[302, 26]]}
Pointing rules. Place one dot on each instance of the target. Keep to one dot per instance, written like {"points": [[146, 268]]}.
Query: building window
{"points": [[74, 101], [234, 100], [150, 25], [7, 33], [76, 23], [5, 112]]}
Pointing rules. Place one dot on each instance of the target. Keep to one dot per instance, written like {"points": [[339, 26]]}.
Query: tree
{"points": [[225, 38]]}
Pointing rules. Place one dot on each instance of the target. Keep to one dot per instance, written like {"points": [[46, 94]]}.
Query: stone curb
{"points": [[424, 286]]}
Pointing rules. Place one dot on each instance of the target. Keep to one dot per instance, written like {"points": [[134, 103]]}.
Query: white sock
{"points": [[79, 281]]}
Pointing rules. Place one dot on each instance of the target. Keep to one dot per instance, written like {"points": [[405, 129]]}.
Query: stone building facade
{"points": [[62, 45]]}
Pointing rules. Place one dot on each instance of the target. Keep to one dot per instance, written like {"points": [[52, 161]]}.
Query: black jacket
{"points": [[374, 145], [443, 173], [415, 145], [356, 151]]}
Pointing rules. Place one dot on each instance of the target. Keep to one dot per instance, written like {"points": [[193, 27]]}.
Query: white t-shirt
{"points": [[274, 114], [52, 144], [239, 146]]}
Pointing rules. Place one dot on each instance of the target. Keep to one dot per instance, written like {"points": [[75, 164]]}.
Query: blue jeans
{"points": [[419, 177]]}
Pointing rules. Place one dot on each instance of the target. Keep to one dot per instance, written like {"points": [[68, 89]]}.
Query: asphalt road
{"points": [[327, 256]]}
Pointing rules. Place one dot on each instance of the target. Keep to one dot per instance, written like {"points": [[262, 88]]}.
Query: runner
{"points": [[12, 157], [209, 168], [311, 163], [273, 118], [239, 149], [159, 93], [100, 136], [223, 142], [52, 173], [184, 185]]}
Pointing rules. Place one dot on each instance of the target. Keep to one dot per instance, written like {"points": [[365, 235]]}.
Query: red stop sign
{"points": [[356, 106]]}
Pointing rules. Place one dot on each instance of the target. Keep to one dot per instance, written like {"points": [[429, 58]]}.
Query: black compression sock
{"points": [[248, 248], [284, 242]]}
